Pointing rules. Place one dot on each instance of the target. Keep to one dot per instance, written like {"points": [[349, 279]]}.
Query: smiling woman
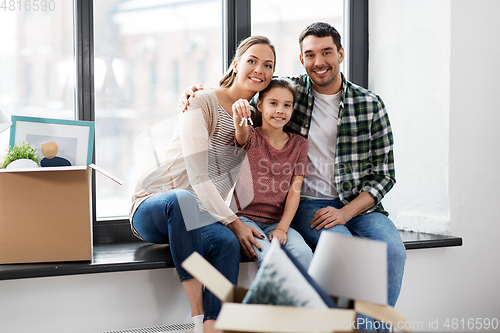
{"points": [[183, 201], [255, 64]]}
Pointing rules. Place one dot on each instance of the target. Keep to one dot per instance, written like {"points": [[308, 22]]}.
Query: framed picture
{"points": [[71, 140]]}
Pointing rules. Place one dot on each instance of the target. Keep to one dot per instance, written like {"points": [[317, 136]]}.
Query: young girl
{"points": [[278, 163]]}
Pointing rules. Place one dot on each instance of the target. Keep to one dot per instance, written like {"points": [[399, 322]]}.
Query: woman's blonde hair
{"points": [[228, 78]]}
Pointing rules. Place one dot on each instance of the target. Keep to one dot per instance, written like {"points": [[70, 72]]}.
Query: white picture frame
{"points": [[74, 138]]}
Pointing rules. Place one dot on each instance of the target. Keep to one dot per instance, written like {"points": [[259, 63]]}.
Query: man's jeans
{"points": [[159, 219], [372, 225]]}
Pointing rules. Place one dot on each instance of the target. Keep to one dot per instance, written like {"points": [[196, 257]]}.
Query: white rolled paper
{"points": [[351, 267]]}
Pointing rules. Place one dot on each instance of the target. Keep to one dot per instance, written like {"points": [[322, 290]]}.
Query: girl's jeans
{"points": [[295, 244], [159, 220]]}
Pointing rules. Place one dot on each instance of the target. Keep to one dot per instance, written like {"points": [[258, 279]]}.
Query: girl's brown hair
{"points": [[228, 78], [281, 83]]}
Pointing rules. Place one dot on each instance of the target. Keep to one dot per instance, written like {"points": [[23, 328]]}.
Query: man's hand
{"points": [[279, 234], [186, 94], [328, 217], [246, 236]]}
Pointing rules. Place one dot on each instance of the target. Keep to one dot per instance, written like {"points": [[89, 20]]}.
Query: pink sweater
{"points": [[261, 192]]}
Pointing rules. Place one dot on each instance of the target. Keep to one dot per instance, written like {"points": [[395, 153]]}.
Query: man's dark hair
{"points": [[320, 29]]}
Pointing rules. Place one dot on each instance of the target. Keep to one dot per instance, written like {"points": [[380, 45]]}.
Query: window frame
{"points": [[84, 85], [236, 27], [357, 34]]}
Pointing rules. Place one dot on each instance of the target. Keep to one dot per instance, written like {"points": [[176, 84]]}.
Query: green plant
{"points": [[22, 150]]}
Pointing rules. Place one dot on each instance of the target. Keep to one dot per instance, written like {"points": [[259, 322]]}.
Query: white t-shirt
{"points": [[322, 141]]}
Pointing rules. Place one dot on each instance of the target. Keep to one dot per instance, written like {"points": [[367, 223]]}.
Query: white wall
{"points": [[97, 303], [93, 303], [409, 68], [435, 64]]}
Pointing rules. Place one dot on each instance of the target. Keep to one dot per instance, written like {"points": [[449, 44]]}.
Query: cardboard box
{"points": [[237, 317], [45, 215]]}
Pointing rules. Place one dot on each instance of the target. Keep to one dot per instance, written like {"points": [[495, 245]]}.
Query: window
{"points": [[37, 64], [283, 20], [146, 53], [133, 58]]}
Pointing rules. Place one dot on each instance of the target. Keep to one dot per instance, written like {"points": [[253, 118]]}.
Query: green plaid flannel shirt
{"points": [[364, 158]]}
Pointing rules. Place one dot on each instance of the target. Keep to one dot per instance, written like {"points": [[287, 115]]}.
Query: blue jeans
{"points": [[159, 220], [295, 244], [372, 226]]}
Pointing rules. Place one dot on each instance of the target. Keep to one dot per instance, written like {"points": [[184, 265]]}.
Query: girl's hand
{"points": [[246, 236], [241, 109], [279, 234]]}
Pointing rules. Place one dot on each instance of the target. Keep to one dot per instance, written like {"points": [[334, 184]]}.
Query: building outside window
{"points": [[146, 52], [37, 67]]}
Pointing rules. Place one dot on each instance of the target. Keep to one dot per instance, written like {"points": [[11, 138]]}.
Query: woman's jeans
{"points": [[372, 226], [159, 219], [295, 244]]}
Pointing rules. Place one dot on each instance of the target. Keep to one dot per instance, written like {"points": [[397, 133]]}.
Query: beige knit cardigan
{"points": [[185, 161]]}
